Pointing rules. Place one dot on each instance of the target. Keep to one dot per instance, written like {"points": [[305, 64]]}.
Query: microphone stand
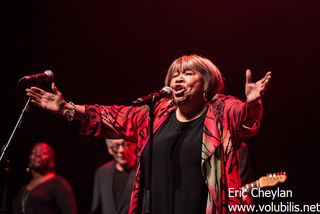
{"points": [[4, 150], [149, 166], [6, 171], [147, 189], [6, 146]]}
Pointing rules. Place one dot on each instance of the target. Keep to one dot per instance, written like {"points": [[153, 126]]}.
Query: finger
{"points": [[37, 99], [32, 94], [266, 77], [54, 88], [28, 91], [248, 76], [266, 80], [266, 83], [265, 86], [38, 90], [36, 103]]}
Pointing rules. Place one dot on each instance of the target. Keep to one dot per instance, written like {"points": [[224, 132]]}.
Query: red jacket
{"points": [[227, 121]]}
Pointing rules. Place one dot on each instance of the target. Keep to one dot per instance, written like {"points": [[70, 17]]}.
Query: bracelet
{"points": [[69, 113]]}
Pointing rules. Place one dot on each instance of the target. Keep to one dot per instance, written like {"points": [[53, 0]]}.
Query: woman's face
{"points": [[188, 87], [39, 158]]}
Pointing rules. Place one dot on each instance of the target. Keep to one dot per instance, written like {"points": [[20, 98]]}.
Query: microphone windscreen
{"points": [[50, 74], [168, 90]]}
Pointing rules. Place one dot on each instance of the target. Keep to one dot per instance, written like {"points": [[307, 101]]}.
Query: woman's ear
{"points": [[205, 96]]}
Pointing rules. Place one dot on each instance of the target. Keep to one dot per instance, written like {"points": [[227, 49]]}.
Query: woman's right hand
{"points": [[50, 101]]}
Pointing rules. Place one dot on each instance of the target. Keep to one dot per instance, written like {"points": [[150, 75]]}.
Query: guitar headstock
{"points": [[272, 179]]}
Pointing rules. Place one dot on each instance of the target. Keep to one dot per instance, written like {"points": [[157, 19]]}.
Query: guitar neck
{"points": [[250, 186], [265, 181]]}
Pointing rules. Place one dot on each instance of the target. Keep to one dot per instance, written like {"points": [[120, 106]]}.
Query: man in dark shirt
{"points": [[113, 181]]}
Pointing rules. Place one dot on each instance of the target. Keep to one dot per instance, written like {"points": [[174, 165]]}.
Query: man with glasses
{"points": [[113, 181]]}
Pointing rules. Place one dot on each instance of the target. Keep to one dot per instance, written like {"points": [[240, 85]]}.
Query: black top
{"points": [[51, 197], [177, 182], [119, 183]]}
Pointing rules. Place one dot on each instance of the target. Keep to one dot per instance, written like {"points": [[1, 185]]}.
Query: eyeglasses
{"points": [[116, 147]]}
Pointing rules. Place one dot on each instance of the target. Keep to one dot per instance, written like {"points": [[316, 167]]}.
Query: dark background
{"points": [[110, 52]]}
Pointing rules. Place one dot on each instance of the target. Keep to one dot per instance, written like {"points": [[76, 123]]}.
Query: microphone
{"points": [[164, 92], [45, 76]]}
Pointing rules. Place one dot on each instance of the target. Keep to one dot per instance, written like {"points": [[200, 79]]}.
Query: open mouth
{"points": [[179, 90]]}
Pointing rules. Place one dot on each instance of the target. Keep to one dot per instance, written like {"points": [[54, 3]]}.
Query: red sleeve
{"points": [[243, 119], [105, 121]]}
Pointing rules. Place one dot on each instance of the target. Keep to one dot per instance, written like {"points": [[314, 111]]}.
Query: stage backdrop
{"points": [[111, 52]]}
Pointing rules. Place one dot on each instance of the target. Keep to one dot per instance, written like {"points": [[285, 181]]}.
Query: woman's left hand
{"points": [[256, 90]]}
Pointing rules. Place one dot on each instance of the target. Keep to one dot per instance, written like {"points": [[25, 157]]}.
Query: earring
{"points": [[172, 100], [205, 96]]}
